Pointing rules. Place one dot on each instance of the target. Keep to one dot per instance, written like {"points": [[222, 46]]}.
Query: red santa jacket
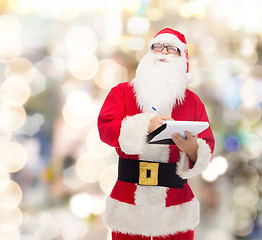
{"points": [[151, 210]]}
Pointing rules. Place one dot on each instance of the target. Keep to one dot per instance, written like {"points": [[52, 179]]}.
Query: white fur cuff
{"points": [[133, 132], [204, 156]]}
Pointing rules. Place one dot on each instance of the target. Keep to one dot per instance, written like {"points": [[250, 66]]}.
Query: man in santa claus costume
{"points": [[151, 198]]}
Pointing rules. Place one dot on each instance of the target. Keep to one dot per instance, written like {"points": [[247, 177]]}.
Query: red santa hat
{"points": [[174, 38]]}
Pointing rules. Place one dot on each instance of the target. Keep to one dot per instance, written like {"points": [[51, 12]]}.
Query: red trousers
{"points": [[189, 235]]}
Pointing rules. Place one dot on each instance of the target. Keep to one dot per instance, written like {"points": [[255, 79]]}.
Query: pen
{"points": [[156, 110]]}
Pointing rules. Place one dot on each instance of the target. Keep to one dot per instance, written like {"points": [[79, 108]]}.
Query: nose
{"points": [[164, 51]]}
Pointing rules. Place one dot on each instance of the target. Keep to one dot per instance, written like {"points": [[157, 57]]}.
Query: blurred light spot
{"points": [[252, 113], [38, 85], [9, 27], [4, 178], [248, 45], [249, 22], [131, 5], [209, 175], [101, 5], [241, 220], [110, 28], [248, 93], [155, 14], [48, 227], [33, 124], [83, 67], [80, 40], [78, 120], [76, 229], [136, 43], [64, 10], [231, 97], [13, 156], [140, 54], [52, 67], [222, 72], [68, 87], [77, 111], [252, 146], [42, 7], [207, 45], [70, 178], [11, 196], [124, 44], [9, 49], [244, 124], [220, 163], [231, 143], [96, 146], [5, 133], [245, 195], [108, 178], [14, 91], [218, 166], [138, 25], [246, 175], [110, 74], [193, 9], [24, 6], [215, 234], [77, 102], [21, 67], [80, 205], [98, 204], [7, 232], [10, 218], [12, 117], [89, 168], [59, 49]]}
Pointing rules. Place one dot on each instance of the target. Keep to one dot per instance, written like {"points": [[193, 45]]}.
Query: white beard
{"points": [[158, 84]]}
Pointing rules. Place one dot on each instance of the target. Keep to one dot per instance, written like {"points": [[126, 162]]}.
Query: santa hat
{"points": [[174, 38]]}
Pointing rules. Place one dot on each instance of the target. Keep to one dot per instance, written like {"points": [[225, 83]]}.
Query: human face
{"points": [[165, 49]]}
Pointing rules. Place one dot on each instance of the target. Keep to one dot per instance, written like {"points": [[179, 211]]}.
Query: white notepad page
{"points": [[194, 127]]}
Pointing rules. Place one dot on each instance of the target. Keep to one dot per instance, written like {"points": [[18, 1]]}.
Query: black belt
{"points": [[149, 173]]}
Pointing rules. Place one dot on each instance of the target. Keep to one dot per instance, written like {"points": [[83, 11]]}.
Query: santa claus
{"points": [[151, 198]]}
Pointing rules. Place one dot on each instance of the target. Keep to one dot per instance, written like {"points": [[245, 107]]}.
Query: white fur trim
{"points": [[151, 220], [204, 156], [133, 132], [151, 196], [155, 153]]}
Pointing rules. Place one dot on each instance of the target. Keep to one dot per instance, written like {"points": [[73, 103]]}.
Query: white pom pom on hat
{"points": [[175, 38]]}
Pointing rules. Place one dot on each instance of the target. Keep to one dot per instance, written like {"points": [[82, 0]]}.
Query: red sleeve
{"points": [[110, 117], [201, 115]]}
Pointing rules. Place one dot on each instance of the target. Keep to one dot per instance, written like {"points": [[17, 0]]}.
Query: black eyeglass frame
{"points": [[167, 48]]}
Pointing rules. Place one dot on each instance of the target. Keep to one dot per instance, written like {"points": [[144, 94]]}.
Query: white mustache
{"points": [[162, 57]]}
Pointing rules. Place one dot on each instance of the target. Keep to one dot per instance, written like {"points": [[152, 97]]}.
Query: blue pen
{"points": [[156, 110]]}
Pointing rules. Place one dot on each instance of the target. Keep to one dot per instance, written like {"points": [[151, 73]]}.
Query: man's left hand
{"points": [[188, 145]]}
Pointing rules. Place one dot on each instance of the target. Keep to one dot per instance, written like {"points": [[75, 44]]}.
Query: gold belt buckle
{"points": [[148, 173]]}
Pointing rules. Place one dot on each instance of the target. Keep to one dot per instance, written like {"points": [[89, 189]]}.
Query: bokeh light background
{"points": [[59, 59]]}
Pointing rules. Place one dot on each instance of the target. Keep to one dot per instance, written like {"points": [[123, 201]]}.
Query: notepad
{"points": [[163, 134]]}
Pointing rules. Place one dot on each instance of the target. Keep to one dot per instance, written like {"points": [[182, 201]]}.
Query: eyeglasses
{"points": [[160, 47]]}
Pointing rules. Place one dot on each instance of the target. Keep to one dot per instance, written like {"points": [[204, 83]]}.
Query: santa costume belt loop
{"points": [[149, 173]]}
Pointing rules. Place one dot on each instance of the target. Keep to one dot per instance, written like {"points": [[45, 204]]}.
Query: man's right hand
{"points": [[157, 121]]}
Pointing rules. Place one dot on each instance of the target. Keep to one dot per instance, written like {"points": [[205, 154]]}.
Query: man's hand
{"points": [[157, 121], [189, 145]]}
